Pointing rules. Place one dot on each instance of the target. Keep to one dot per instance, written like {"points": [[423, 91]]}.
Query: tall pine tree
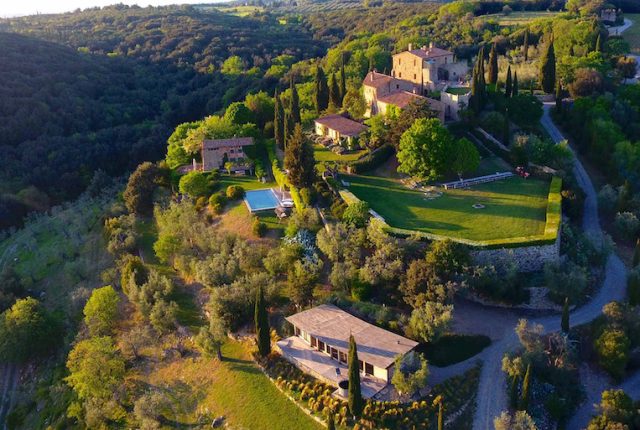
{"points": [[509, 84], [515, 89], [299, 159], [263, 337], [356, 404], [343, 80], [599, 43], [321, 94], [548, 68], [478, 84], [278, 121], [525, 48], [526, 388], [294, 104], [334, 93], [493, 65]]}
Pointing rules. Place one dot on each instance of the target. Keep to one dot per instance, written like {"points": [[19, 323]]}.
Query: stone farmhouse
{"points": [[320, 346], [416, 72], [339, 128], [216, 152]]}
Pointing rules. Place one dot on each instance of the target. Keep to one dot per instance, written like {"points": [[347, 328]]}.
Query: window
{"points": [[342, 357], [400, 74], [399, 61], [368, 369], [296, 331], [397, 86], [314, 342], [334, 353], [415, 76], [360, 365], [321, 345]]}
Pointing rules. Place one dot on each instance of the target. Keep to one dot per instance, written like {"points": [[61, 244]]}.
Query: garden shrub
{"points": [[626, 224], [235, 192], [356, 214], [608, 199], [372, 160], [565, 279], [258, 227], [612, 347], [217, 202], [306, 194], [360, 290]]}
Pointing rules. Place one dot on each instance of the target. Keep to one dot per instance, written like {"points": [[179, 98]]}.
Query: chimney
{"points": [[410, 46]]}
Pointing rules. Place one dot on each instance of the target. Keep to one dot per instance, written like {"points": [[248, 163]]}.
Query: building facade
{"points": [[339, 128], [216, 152]]}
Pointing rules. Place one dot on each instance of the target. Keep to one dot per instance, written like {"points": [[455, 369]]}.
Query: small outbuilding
{"points": [[339, 128]]}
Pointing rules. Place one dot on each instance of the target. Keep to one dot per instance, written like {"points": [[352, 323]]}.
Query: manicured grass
{"points": [[513, 208], [234, 388], [632, 34], [324, 155], [454, 348], [247, 182], [518, 18]]}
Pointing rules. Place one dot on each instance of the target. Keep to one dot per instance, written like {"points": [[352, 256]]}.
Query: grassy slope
{"points": [[514, 207], [235, 388], [518, 18], [632, 34], [323, 154]]}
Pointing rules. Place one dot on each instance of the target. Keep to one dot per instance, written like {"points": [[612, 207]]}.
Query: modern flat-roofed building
{"points": [[320, 346]]}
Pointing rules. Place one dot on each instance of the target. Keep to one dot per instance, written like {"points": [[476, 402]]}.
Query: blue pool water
{"points": [[260, 200]]}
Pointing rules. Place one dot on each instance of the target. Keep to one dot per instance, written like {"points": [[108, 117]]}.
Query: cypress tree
{"points": [[633, 287], [299, 159], [334, 92], [321, 94], [343, 80], [514, 90], [289, 127], [294, 104], [440, 415], [599, 43], [565, 316], [278, 121], [331, 422], [526, 386], [548, 68], [509, 84], [513, 392], [356, 404], [263, 336], [526, 45], [493, 65], [636, 254], [478, 85]]}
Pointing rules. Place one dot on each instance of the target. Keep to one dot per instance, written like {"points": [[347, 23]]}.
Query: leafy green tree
{"points": [[294, 104], [612, 347], [430, 321], [96, 368], [410, 373], [565, 316], [424, 150], [508, 89], [27, 331], [354, 103], [238, 113], [548, 67], [466, 157], [261, 319], [233, 66], [278, 121], [356, 403], [262, 107], [194, 184], [211, 338], [164, 316], [138, 195], [299, 159], [416, 109], [493, 65], [518, 421], [101, 311], [616, 411], [321, 94], [526, 388], [334, 93], [343, 78], [356, 214]]}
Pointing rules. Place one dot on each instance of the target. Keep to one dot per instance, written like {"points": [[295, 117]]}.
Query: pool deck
{"points": [[280, 199]]}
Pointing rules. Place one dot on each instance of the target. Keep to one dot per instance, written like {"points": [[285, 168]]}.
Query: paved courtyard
{"points": [[324, 367]]}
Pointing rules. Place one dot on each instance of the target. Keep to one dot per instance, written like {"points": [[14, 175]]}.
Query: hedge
{"points": [[371, 160], [550, 235]]}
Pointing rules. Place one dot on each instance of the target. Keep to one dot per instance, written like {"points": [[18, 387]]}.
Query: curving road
{"points": [[492, 398]]}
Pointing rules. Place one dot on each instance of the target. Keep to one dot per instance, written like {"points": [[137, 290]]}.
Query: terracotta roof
{"points": [[225, 143], [342, 125], [376, 80], [400, 99], [333, 326], [433, 52]]}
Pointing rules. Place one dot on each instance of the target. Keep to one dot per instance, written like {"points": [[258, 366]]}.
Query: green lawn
{"points": [[324, 155], [518, 18], [234, 388], [454, 348], [632, 34], [458, 90], [513, 208], [247, 182]]}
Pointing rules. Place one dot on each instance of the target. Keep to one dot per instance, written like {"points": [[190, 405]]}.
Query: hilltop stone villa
{"points": [[320, 347], [216, 152], [415, 73]]}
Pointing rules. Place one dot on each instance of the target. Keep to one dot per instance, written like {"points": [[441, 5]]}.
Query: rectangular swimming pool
{"points": [[261, 200]]}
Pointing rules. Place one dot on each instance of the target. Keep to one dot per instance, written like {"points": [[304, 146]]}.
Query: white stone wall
{"points": [[527, 259]]}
